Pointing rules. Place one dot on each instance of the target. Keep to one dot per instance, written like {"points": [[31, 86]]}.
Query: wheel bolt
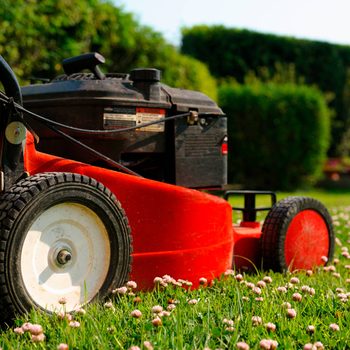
{"points": [[64, 256]]}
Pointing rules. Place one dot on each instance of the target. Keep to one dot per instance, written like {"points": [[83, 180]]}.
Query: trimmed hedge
{"points": [[235, 53], [278, 134]]}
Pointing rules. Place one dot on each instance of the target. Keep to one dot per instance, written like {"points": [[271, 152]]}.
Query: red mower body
{"points": [[176, 231], [189, 234]]}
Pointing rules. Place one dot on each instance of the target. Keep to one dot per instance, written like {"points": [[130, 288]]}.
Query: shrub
{"points": [[231, 52], [278, 134]]}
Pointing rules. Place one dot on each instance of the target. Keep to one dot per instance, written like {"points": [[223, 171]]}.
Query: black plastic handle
{"points": [[89, 61], [9, 81]]}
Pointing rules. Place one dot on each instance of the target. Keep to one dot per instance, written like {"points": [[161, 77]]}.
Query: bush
{"points": [[230, 52], [278, 134]]}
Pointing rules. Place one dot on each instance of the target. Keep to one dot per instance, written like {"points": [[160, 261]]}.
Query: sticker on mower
{"points": [[117, 118]]}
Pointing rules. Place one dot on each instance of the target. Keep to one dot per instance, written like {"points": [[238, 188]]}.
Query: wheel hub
{"points": [[64, 256]]}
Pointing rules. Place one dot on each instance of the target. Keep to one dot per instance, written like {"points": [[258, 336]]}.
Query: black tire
{"points": [[60, 196], [278, 223]]}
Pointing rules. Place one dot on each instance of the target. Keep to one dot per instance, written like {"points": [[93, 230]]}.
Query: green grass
{"points": [[201, 325]]}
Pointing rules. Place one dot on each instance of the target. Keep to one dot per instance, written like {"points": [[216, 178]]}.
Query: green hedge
{"points": [[278, 134], [235, 53]]}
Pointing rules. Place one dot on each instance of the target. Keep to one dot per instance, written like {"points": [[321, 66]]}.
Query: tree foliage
{"points": [[36, 35]]}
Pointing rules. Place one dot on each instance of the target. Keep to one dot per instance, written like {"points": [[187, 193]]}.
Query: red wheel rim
{"points": [[307, 240]]}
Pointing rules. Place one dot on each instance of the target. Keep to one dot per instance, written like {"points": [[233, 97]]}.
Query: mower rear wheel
{"points": [[297, 234], [65, 240]]}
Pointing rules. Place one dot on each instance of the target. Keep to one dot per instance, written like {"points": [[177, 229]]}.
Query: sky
{"points": [[308, 19]]}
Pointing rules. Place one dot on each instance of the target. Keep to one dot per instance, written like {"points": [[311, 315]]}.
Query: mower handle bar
{"points": [[9, 81]]}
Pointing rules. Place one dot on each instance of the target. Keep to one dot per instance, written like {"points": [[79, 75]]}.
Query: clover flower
{"points": [[62, 300], [148, 345], [287, 305], [157, 309], [164, 314], [26, 326], [256, 320], [256, 290], [136, 313], [108, 305], [121, 291], [305, 289], [334, 327], [250, 285], [228, 322], [294, 280], [312, 291], [268, 344], [35, 329], [267, 279], [171, 307], [229, 272], [291, 313], [74, 324], [157, 321], [203, 281], [62, 346], [271, 327], [239, 277], [297, 297], [310, 329], [80, 311], [19, 330], [282, 289], [319, 345], [131, 284], [261, 284], [242, 346], [38, 338]]}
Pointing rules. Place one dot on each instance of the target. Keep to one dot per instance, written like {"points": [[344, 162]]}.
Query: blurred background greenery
{"points": [[287, 100]]}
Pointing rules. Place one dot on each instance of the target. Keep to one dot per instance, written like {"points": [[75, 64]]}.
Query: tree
{"points": [[36, 35]]}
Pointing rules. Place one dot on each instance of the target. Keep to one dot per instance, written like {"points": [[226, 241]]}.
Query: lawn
{"points": [[300, 310]]}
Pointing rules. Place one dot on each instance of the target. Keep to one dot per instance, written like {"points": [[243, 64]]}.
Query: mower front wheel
{"points": [[297, 234], [65, 241]]}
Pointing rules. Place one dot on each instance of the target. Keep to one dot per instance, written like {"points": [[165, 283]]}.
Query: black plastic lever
{"points": [[89, 61]]}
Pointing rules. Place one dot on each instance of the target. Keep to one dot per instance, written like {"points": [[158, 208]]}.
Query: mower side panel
{"points": [[184, 233], [247, 250]]}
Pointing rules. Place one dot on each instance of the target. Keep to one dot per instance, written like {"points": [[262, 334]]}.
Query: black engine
{"points": [[190, 150]]}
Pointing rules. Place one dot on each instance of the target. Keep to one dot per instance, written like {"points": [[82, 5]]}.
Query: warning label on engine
{"points": [[121, 117]]}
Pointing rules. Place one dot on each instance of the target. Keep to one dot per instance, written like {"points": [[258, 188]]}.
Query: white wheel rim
{"points": [[66, 229]]}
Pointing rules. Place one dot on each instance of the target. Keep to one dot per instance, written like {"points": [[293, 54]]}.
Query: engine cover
{"points": [[182, 152]]}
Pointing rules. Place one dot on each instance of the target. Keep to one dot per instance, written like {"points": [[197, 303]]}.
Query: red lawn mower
{"points": [[110, 192]]}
